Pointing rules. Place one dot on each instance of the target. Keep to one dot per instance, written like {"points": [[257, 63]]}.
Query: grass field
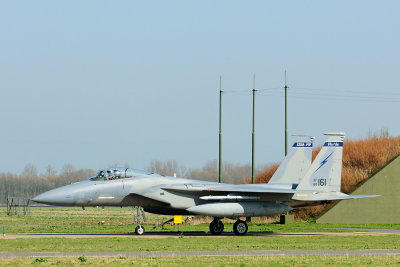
{"points": [[117, 220], [208, 243], [390, 260], [120, 220]]}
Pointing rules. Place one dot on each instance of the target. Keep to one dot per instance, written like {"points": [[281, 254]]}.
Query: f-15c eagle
{"points": [[296, 183]]}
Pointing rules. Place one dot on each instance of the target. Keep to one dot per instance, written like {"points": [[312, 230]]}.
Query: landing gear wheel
{"points": [[139, 230], [240, 227], [216, 227]]}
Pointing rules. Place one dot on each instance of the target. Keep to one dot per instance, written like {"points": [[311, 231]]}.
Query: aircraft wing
{"points": [[245, 188], [241, 192]]}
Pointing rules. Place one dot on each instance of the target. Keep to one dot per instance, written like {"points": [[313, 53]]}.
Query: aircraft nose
{"points": [[53, 197]]}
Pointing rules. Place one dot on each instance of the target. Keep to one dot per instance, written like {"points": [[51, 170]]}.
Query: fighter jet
{"points": [[296, 183]]}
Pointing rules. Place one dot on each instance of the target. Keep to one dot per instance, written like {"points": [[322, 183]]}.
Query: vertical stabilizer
{"points": [[325, 173], [295, 165]]}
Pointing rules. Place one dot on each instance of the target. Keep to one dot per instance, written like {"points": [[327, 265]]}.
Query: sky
{"points": [[93, 83]]}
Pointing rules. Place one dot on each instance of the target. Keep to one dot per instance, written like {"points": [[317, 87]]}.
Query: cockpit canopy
{"points": [[117, 173]]}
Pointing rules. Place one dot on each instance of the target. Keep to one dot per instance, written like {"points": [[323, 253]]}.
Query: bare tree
{"points": [[68, 168], [231, 172], [30, 170], [382, 133], [50, 170], [168, 167]]}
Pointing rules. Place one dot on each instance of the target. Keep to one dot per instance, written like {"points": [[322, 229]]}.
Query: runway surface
{"points": [[202, 253]]}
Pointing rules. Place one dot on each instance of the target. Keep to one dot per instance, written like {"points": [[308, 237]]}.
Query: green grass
{"points": [[225, 243], [117, 220], [385, 260], [120, 220]]}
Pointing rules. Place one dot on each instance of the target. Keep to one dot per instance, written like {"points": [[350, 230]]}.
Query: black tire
{"points": [[139, 230], [240, 227], [216, 227]]}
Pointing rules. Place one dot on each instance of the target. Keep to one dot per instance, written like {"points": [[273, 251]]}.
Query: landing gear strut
{"points": [[240, 227], [139, 230], [216, 227]]}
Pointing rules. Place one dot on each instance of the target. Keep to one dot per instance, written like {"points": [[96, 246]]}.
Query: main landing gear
{"points": [[239, 227], [216, 226]]}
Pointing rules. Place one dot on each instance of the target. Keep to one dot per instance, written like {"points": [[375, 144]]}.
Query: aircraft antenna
{"points": [[252, 135], [286, 132], [220, 132]]}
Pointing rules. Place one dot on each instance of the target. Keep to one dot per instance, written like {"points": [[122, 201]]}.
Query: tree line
{"points": [[30, 183]]}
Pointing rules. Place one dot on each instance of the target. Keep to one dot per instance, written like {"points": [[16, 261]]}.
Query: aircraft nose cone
{"points": [[43, 198], [53, 197]]}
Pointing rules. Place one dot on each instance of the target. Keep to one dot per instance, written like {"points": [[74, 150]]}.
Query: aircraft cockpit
{"points": [[117, 173]]}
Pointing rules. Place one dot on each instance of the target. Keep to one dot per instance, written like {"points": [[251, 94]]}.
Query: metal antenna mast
{"points": [[220, 132], [286, 132], [252, 139]]}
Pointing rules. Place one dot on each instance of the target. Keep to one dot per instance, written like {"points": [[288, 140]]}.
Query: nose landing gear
{"points": [[139, 230]]}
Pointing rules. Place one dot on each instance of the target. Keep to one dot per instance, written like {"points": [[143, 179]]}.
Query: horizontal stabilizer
{"points": [[320, 196], [361, 196]]}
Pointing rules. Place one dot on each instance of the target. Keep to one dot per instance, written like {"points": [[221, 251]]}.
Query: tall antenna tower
{"points": [[286, 132], [220, 132], [252, 135]]}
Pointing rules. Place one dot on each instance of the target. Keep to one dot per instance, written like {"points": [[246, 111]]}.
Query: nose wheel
{"points": [[240, 227], [139, 230], [216, 227]]}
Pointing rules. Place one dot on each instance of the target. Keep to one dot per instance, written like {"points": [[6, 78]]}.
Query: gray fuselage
{"points": [[165, 195]]}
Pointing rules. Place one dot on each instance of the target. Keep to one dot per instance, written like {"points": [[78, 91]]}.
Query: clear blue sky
{"points": [[97, 82]]}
